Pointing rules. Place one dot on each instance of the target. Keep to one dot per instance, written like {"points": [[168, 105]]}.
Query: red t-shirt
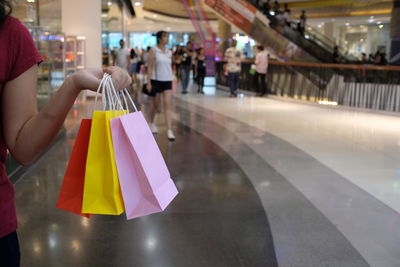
{"points": [[17, 54]]}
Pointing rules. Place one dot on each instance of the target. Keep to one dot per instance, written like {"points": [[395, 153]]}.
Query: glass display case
{"points": [[80, 52], [51, 48], [74, 54], [69, 55]]}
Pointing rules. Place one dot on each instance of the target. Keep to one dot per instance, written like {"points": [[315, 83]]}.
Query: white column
{"points": [[83, 17]]}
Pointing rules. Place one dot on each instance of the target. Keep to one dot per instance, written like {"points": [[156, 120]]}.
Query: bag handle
{"points": [[100, 89], [123, 92], [111, 99]]}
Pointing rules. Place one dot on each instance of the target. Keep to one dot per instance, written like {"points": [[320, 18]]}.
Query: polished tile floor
{"points": [[262, 181]]}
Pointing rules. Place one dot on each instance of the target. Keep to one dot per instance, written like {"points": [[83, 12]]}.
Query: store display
{"points": [[75, 56]]}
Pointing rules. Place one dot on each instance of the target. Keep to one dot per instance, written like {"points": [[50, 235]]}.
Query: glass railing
{"points": [[316, 36], [361, 86]]}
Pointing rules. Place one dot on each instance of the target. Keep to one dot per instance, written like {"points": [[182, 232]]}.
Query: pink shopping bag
{"points": [[145, 181]]}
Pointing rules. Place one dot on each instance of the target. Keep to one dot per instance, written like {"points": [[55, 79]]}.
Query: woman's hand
{"points": [[90, 78], [148, 87]]}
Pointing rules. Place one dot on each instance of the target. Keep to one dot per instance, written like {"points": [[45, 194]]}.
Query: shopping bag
{"points": [[71, 193], [253, 69], [145, 181], [102, 193]]}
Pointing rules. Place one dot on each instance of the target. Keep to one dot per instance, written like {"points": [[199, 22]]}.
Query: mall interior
{"points": [[304, 173]]}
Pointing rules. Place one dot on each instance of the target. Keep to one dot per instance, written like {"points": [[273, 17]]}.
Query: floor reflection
{"points": [[216, 220]]}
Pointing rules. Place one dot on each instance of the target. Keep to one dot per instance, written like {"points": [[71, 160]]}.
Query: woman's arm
{"points": [[150, 63], [28, 132]]}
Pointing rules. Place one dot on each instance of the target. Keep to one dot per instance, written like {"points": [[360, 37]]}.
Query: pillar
{"points": [[84, 18]]}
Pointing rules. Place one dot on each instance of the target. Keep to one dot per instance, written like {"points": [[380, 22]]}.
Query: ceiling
{"points": [[174, 8], [153, 15], [314, 8]]}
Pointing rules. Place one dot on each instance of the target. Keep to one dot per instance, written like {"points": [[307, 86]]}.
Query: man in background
{"points": [[233, 57], [121, 57]]}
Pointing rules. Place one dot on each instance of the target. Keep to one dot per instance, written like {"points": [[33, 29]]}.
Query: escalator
{"points": [[312, 40], [251, 21], [267, 30]]}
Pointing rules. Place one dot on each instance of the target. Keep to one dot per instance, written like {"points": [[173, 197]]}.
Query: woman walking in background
{"points": [[134, 64], [177, 58], [200, 70], [186, 66], [159, 81]]}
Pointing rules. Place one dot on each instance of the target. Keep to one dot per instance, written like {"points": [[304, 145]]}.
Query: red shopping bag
{"points": [[71, 194]]}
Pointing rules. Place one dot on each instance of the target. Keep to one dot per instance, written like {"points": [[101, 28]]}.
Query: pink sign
{"points": [[210, 50]]}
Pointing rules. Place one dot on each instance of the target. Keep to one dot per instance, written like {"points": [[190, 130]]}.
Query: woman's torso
{"points": [[17, 54], [262, 62], [201, 65], [162, 67]]}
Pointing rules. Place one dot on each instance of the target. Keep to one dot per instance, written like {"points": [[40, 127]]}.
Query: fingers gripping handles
{"points": [[111, 99]]}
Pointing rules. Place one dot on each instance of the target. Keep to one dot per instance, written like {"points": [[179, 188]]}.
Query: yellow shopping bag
{"points": [[102, 193]]}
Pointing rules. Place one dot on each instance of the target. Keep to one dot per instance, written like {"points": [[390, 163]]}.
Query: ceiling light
{"points": [[30, 1], [109, 3], [138, 4], [347, 24]]}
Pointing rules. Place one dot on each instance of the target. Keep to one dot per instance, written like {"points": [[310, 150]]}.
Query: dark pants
{"points": [[233, 81], [200, 81], [9, 250], [260, 83], [185, 76]]}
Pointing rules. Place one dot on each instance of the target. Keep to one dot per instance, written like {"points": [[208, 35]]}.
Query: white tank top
{"points": [[162, 67]]}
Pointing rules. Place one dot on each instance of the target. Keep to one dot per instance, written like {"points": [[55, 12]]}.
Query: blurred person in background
{"points": [[133, 71], [200, 69], [364, 59], [134, 59], [370, 59], [233, 57], [266, 8], [122, 56], [276, 7], [177, 59], [383, 60], [186, 66], [335, 55], [261, 63], [302, 22], [287, 15]]}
